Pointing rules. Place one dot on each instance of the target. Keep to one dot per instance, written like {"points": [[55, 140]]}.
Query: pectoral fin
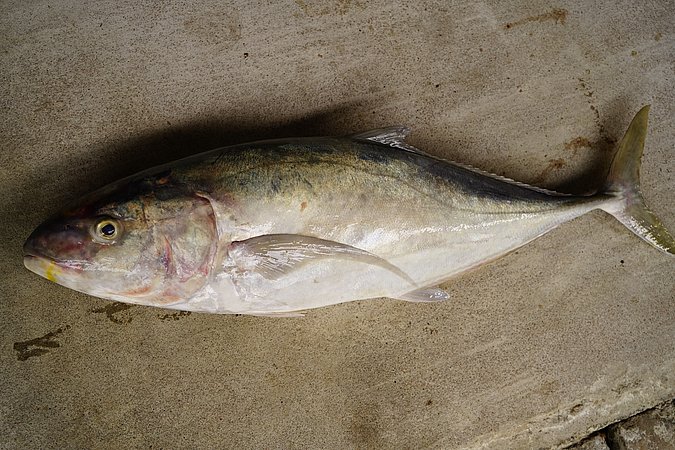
{"points": [[275, 255]]}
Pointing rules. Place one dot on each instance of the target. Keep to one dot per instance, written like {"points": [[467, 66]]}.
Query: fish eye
{"points": [[107, 230]]}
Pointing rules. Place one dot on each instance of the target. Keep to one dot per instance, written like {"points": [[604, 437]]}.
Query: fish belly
{"points": [[427, 254]]}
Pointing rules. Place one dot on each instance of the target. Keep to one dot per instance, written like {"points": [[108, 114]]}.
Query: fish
{"points": [[276, 228]]}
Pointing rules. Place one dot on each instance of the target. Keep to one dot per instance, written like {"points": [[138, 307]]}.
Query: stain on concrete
{"points": [[558, 15], [584, 85], [38, 346], [606, 142], [174, 316], [577, 143], [112, 309], [553, 165]]}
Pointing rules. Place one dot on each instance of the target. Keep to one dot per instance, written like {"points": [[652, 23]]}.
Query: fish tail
{"points": [[623, 188]]}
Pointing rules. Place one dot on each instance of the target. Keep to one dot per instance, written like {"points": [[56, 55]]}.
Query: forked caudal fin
{"points": [[623, 183]]}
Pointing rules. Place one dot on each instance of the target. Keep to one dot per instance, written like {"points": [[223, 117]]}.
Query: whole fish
{"points": [[278, 227]]}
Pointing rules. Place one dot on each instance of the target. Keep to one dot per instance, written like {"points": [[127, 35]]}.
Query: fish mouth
{"points": [[48, 268], [57, 272], [42, 266], [71, 275]]}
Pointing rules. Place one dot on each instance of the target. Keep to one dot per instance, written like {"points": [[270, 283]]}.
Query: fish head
{"points": [[141, 243]]}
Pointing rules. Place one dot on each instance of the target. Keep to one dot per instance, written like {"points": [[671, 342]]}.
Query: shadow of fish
{"points": [[277, 227]]}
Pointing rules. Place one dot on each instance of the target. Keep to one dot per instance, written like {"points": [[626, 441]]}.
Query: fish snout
{"points": [[56, 251], [36, 243], [59, 241]]}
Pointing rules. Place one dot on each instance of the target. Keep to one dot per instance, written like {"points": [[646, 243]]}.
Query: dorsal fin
{"points": [[395, 137], [391, 137], [507, 180]]}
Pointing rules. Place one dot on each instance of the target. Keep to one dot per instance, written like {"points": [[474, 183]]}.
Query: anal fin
{"points": [[426, 295], [277, 314]]}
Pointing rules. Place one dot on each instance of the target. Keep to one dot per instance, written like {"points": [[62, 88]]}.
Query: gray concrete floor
{"points": [[570, 333]]}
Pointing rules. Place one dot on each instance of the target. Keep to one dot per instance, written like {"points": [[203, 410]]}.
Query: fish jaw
{"points": [[64, 275], [80, 280], [41, 266]]}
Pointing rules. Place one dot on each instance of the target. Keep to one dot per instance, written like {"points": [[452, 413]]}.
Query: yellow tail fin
{"points": [[623, 183]]}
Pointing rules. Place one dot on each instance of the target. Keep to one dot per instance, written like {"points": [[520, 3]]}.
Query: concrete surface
{"points": [[538, 349]]}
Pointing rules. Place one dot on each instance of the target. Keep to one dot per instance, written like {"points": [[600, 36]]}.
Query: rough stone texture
{"points": [[559, 339], [653, 429], [595, 442]]}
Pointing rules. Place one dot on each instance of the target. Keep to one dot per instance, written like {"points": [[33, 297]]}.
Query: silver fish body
{"points": [[277, 227]]}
